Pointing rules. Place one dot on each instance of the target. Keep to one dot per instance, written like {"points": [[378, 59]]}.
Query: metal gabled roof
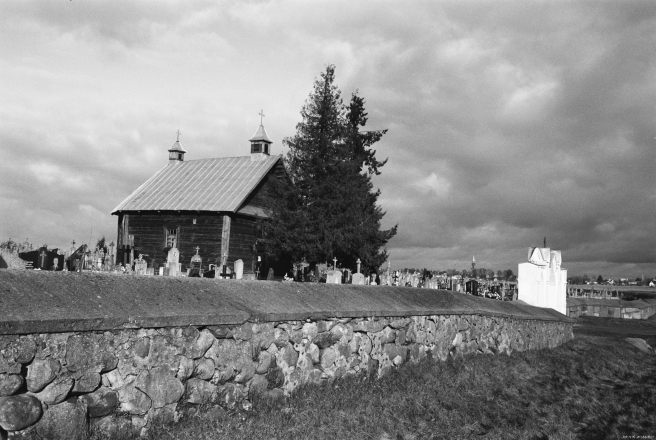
{"points": [[200, 185]]}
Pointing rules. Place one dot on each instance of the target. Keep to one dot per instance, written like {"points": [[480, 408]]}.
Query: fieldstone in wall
{"points": [[19, 412], [204, 369], [230, 394], [67, 420], [264, 361], [20, 349], [85, 381], [160, 385], [201, 344], [10, 383], [40, 373], [245, 374], [112, 427], [368, 325], [89, 351], [56, 391], [101, 402], [200, 391], [133, 401], [259, 385], [186, 368]]}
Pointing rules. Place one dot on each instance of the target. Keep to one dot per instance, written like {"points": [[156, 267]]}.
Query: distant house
{"points": [[210, 206]]}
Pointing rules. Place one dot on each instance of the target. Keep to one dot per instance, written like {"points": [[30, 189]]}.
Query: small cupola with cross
{"points": [[176, 152], [260, 142]]}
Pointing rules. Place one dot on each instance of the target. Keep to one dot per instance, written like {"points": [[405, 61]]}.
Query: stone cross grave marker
{"points": [[140, 266]]}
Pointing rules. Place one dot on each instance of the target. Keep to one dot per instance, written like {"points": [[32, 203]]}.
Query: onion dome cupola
{"points": [[176, 152], [260, 142]]}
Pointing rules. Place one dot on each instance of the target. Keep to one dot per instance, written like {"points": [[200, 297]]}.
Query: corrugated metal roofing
{"points": [[199, 185]]}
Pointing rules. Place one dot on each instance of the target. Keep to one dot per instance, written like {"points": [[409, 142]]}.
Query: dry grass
{"points": [[591, 388]]}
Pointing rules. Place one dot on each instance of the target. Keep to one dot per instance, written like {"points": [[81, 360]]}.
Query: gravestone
{"points": [[357, 278], [239, 269], [333, 277], [270, 274], [150, 271], [173, 263], [196, 265], [140, 266]]}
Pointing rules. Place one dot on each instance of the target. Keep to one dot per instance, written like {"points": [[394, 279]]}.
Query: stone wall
{"points": [[113, 354], [58, 385]]}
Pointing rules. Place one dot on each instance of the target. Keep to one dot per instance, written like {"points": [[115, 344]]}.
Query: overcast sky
{"points": [[508, 121]]}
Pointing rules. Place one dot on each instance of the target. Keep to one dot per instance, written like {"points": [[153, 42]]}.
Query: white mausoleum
{"points": [[541, 282]]}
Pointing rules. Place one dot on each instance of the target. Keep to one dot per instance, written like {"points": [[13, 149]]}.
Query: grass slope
{"points": [[593, 387]]}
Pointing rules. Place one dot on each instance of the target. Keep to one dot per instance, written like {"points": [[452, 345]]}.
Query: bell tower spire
{"points": [[260, 142], [176, 152]]}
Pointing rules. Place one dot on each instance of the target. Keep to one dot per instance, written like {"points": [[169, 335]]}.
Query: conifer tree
{"points": [[328, 207]]}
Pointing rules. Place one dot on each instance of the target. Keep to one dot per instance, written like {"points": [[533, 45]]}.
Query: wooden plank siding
{"points": [[149, 232]]}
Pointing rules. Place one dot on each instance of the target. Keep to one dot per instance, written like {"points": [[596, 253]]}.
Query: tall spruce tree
{"points": [[328, 208]]}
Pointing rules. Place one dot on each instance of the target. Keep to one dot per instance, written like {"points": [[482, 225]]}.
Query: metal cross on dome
{"points": [[178, 138], [261, 113]]}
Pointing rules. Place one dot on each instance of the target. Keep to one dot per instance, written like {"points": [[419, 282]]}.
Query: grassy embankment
{"points": [[594, 387]]}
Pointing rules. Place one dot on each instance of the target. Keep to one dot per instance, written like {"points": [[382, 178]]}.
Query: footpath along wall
{"points": [[115, 352]]}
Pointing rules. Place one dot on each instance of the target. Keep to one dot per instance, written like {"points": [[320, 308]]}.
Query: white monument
{"points": [[541, 282], [239, 269], [173, 262]]}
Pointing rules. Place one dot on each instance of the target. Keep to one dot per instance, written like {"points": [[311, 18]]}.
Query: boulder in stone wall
{"points": [[296, 336], [312, 375], [281, 337], [462, 323], [244, 332], [325, 325], [366, 325], [400, 337], [201, 392], [160, 385], [275, 375], [40, 373], [133, 401], [220, 331], [328, 358], [457, 340], [342, 333], [141, 348], [365, 345], [246, 373], [89, 351], [139, 428], [8, 365], [101, 402], [264, 360], [416, 352], [185, 368], [393, 350], [111, 427], [19, 412], [343, 350], [51, 345], [313, 352], [287, 356], [163, 354], [386, 335], [56, 391], [325, 339], [231, 394], [67, 420], [309, 330], [20, 349], [204, 369], [86, 381], [164, 415], [400, 323], [230, 356], [201, 344], [258, 386], [10, 383]]}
